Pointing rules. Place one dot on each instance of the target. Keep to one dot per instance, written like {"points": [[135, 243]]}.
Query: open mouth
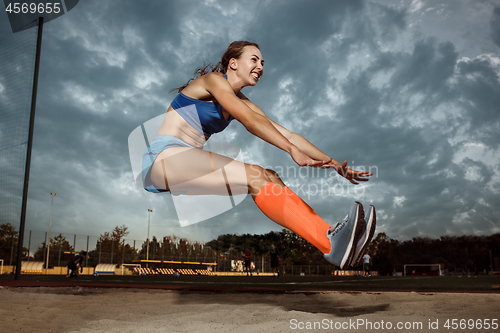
{"points": [[256, 76]]}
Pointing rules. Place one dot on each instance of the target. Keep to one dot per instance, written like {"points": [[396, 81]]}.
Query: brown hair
{"points": [[234, 50]]}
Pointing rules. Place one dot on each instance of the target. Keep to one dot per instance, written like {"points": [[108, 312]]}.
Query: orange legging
{"points": [[288, 210]]}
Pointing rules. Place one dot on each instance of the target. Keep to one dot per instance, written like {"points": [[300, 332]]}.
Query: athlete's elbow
{"points": [[291, 136], [252, 124]]}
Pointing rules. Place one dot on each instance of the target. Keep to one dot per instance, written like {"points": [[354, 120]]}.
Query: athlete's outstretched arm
{"points": [[311, 150], [257, 124]]}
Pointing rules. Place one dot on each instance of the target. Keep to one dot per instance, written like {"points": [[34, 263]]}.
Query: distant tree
{"points": [[8, 242], [382, 253], [111, 243], [58, 245]]}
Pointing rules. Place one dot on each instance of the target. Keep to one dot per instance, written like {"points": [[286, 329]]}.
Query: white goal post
{"points": [[131, 265], [420, 265]]}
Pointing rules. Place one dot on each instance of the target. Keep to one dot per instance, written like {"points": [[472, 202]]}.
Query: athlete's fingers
{"points": [[328, 166], [314, 163], [362, 179], [361, 175], [353, 182]]}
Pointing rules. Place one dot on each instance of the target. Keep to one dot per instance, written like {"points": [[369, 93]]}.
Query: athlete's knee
{"points": [[272, 175], [256, 177]]}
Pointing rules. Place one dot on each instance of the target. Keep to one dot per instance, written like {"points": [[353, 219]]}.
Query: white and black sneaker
{"points": [[344, 235], [366, 236]]}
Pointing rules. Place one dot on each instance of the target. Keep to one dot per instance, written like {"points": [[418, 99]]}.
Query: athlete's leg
{"points": [[287, 209], [196, 172]]}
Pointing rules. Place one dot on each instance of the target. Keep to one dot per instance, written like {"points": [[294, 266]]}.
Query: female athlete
{"points": [[175, 160]]}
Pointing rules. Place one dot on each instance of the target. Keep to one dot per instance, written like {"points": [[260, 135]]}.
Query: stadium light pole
{"points": [[147, 246], [50, 225]]}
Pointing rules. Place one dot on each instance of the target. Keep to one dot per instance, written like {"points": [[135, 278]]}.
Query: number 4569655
{"points": [[32, 8], [463, 324]]}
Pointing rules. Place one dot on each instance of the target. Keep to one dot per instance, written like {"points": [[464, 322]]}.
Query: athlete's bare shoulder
{"points": [[199, 88], [212, 78]]}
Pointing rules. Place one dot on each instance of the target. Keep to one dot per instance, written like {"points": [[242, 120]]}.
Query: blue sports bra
{"points": [[204, 116]]}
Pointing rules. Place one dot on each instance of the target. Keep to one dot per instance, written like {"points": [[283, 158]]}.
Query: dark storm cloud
{"points": [[478, 87], [389, 20], [427, 69], [297, 31], [495, 26]]}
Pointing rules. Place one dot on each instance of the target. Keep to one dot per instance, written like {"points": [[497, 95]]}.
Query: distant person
{"points": [[75, 263], [274, 260], [248, 261], [366, 265]]}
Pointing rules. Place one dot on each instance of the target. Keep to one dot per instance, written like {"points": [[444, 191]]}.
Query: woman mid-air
{"points": [[175, 160]]}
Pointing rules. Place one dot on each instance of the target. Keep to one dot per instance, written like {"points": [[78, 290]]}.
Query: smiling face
{"points": [[249, 67]]}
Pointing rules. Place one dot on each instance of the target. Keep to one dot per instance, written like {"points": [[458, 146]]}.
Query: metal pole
{"points": [[59, 256], [87, 256], [28, 150], [112, 246], [123, 252], [147, 241], [162, 252], [29, 246], [50, 225], [12, 247], [45, 245], [100, 249]]}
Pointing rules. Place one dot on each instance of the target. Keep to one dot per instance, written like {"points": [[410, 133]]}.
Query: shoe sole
{"points": [[372, 226], [358, 229]]}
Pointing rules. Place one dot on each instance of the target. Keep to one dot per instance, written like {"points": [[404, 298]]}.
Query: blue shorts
{"points": [[159, 144]]}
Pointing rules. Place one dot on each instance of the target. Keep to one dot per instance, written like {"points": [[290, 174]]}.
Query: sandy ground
{"points": [[138, 310]]}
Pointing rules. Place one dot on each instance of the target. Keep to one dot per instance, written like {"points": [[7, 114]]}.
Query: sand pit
{"points": [[79, 309]]}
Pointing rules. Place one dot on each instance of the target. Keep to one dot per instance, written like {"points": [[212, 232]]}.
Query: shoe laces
{"points": [[338, 226]]}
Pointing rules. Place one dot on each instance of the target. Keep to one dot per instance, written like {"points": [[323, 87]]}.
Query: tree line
{"points": [[455, 253]]}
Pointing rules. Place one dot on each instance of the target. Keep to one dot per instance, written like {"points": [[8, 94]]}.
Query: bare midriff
{"points": [[174, 125]]}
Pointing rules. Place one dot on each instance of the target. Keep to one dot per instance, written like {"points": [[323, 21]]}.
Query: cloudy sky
{"points": [[407, 89]]}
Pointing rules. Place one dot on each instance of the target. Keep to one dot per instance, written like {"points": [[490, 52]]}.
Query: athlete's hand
{"points": [[303, 159], [351, 175]]}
